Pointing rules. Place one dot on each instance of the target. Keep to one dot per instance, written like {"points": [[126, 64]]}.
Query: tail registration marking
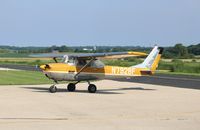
{"points": [[123, 70]]}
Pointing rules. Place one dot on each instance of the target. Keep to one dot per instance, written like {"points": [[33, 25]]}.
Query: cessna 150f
{"points": [[87, 67]]}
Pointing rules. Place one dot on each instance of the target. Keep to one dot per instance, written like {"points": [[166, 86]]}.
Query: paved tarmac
{"points": [[116, 106]]}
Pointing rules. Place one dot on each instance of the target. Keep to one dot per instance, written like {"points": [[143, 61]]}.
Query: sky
{"points": [[99, 22]]}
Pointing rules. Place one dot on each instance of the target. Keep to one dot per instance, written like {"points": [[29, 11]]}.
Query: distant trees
{"points": [[13, 49], [178, 51], [194, 49], [62, 48]]}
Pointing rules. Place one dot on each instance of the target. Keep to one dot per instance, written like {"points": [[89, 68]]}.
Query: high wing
{"points": [[90, 55]]}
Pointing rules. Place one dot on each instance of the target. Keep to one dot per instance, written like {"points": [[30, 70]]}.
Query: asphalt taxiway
{"points": [[116, 105]]}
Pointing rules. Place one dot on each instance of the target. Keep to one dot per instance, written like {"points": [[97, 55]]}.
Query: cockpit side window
{"points": [[69, 60], [81, 62], [97, 64], [64, 59]]}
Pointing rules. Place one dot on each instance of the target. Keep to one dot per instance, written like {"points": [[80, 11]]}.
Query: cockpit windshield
{"points": [[95, 63]]}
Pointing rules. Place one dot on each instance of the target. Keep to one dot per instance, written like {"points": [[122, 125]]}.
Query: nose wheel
{"points": [[53, 89]]}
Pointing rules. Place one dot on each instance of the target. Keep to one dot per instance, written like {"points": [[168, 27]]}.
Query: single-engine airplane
{"points": [[88, 67]]}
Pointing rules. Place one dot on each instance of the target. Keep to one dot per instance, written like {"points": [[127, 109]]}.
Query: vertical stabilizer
{"points": [[152, 60]]}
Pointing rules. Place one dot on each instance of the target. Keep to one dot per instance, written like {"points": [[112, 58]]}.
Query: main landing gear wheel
{"points": [[92, 88], [71, 87], [53, 89]]}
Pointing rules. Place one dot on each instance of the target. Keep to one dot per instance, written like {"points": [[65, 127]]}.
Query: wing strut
{"points": [[54, 58], [86, 65]]}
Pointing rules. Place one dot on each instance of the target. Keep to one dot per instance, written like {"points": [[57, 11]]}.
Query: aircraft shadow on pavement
{"points": [[100, 91]]}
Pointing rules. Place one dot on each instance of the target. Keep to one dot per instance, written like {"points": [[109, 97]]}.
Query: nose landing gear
{"points": [[53, 89]]}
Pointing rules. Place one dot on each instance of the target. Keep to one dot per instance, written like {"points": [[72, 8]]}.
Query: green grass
{"points": [[11, 77], [178, 66]]}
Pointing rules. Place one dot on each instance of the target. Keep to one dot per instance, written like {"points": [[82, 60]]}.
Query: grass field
{"points": [[10, 77]]}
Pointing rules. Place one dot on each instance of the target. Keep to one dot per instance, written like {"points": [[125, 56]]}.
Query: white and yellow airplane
{"points": [[87, 67]]}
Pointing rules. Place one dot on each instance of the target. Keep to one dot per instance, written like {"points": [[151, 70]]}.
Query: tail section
{"points": [[152, 60]]}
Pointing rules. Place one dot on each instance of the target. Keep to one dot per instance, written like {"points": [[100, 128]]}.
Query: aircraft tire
{"points": [[53, 89], [71, 87], [92, 88]]}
